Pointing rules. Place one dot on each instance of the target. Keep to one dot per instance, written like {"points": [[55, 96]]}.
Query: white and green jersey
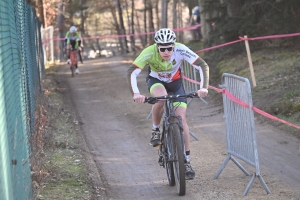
{"points": [[164, 70]]}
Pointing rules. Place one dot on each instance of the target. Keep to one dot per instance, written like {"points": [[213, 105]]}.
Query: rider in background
{"points": [[164, 59], [195, 20], [72, 41]]}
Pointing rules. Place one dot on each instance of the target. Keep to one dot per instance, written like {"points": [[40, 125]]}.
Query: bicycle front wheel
{"points": [[168, 162], [178, 158]]}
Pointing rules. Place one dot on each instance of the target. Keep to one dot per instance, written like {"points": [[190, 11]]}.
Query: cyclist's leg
{"points": [[68, 51], [156, 88], [80, 54], [180, 110]]}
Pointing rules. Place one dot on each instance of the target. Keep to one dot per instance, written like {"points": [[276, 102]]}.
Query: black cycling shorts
{"points": [[174, 87]]}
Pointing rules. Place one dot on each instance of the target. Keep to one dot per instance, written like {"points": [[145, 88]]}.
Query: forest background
{"points": [[275, 61], [222, 21]]}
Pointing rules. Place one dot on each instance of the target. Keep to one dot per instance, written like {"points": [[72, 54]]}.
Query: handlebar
{"points": [[153, 100]]}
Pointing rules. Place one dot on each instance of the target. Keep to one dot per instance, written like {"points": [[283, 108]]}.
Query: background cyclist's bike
{"points": [[73, 59], [172, 150]]}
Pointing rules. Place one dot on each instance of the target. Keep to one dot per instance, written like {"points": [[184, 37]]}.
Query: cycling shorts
{"points": [[174, 87]]}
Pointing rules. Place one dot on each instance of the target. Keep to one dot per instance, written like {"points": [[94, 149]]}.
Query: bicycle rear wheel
{"points": [[178, 158]]}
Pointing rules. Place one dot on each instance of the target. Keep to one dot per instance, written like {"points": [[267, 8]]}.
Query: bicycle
{"points": [[172, 149], [73, 59]]}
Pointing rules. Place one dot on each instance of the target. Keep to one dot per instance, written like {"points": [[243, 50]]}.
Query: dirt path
{"points": [[117, 133]]}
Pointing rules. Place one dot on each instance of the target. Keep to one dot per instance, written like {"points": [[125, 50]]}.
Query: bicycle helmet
{"points": [[73, 29], [164, 36]]}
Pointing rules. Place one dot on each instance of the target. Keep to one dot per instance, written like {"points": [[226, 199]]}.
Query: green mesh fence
{"points": [[21, 67]]}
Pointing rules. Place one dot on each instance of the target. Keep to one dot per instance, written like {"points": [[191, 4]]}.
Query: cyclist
{"points": [[195, 20], [72, 40], [164, 59]]}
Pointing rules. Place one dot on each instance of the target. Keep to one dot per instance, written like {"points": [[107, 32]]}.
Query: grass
{"points": [[277, 72], [277, 75], [65, 174]]}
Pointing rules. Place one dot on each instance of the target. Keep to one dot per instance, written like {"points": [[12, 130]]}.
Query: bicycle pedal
{"points": [[157, 146]]}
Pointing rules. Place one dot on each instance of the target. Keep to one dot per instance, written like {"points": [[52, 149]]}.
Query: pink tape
{"points": [[238, 101]]}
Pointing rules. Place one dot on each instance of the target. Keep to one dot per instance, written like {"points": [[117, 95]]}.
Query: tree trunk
{"points": [[60, 25], [145, 21], [40, 10], [157, 14], [132, 27], [114, 15], [151, 24], [139, 29], [234, 7], [175, 14], [206, 28], [122, 28], [81, 17], [164, 13]]}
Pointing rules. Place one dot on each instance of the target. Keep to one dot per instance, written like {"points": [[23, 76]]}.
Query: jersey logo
{"points": [[174, 62]]}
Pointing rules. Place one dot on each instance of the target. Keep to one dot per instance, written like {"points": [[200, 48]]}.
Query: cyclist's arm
{"points": [[200, 64], [78, 41], [67, 38], [196, 62], [132, 74]]}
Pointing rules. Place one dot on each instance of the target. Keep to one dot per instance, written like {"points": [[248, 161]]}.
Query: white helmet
{"points": [[73, 29], [164, 36]]}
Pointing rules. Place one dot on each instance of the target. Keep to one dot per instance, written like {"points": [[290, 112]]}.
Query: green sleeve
{"points": [[142, 60]]}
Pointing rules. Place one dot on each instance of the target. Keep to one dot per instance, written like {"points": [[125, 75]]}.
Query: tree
{"points": [[122, 30]]}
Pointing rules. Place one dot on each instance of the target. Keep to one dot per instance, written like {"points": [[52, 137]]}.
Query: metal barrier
{"points": [[240, 128]]}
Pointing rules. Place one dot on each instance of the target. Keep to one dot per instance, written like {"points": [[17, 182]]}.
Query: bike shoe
{"points": [[189, 172], [68, 61], [155, 138]]}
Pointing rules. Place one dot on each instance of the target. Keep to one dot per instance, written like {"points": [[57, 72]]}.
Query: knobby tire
{"points": [[178, 157], [168, 163]]}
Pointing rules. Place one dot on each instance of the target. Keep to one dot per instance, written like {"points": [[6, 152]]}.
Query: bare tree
{"points": [[122, 30], [157, 13], [145, 20], [60, 25], [175, 13], [132, 26], [151, 23]]}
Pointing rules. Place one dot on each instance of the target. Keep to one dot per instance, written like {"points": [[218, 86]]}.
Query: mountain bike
{"points": [[172, 149], [73, 59]]}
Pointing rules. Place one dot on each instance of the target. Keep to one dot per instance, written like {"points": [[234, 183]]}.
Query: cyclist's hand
{"points": [[138, 98], [202, 92]]}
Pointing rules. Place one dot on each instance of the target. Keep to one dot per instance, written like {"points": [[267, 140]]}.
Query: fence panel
{"points": [[240, 127], [21, 68]]}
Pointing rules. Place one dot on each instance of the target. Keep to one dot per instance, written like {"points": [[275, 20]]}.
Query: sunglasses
{"points": [[163, 49]]}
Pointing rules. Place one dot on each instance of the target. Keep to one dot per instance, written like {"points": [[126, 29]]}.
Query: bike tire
{"points": [[168, 163], [72, 70], [178, 158]]}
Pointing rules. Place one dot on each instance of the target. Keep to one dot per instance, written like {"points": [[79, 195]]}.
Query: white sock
{"points": [[155, 126], [187, 158]]}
